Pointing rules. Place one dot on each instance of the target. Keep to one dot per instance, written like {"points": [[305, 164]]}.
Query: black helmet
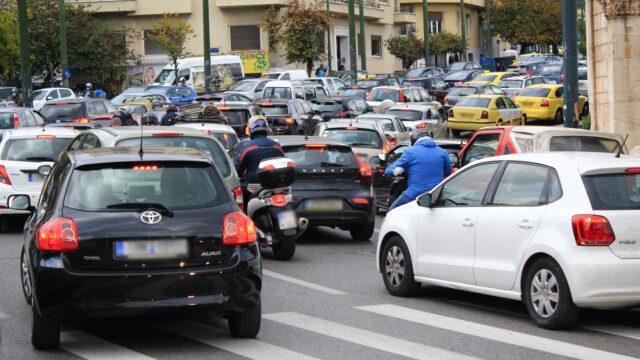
{"points": [[416, 136]]}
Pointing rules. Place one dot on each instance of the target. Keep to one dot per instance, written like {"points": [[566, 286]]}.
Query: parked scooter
{"points": [[271, 211]]}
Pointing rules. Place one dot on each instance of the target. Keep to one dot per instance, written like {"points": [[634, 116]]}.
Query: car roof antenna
{"points": [[620, 147], [141, 152]]}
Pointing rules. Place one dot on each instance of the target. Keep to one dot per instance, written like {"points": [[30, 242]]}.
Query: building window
{"points": [[406, 8], [383, 2], [151, 47], [435, 22], [246, 37], [376, 45]]}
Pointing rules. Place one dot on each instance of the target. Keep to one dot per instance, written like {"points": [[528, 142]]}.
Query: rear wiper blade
{"points": [[40, 158], [328, 164], [143, 206]]}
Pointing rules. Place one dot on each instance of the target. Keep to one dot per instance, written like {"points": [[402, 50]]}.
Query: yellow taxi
{"points": [[477, 111], [492, 77], [546, 102]]}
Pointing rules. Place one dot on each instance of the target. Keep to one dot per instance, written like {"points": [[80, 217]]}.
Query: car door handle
{"points": [[525, 224], [467, 223]]}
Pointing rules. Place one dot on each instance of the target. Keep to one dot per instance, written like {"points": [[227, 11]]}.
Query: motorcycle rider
{"points": [[88, 90], [425, 164]]}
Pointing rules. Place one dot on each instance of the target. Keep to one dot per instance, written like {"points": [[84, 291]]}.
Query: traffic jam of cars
{"points": [[162, 200]]}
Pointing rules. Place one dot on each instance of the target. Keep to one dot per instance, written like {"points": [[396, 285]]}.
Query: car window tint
{"points": [[320, 92], [307, 108], [109, 106], [468, 188], [583, 143], [64, 93], [482, 146], [31, 121], [34, 149], [75, 144], [339, 84], [90, 142], [524, 143], [53, 95], [522, 185], [361, 105], [327, 157], [500, 103], [560, 92], [40, 121], [509, 103]]}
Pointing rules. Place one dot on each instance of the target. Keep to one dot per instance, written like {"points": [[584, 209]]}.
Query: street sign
{"points": [[67, 74], [214, 50]]}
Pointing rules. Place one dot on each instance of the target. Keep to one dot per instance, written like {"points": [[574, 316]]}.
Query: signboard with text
{"points": [[254, 62]]}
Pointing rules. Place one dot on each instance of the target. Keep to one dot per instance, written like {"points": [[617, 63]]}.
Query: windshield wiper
{"points": [[328, 164], [40, 158], [143, 206]]}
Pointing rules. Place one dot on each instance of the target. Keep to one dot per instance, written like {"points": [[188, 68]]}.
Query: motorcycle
{"points": [[270, 208]]}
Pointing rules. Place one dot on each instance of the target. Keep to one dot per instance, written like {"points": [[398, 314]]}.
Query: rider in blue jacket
{"points": [[425, 163]]}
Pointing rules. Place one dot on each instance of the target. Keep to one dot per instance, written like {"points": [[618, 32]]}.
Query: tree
{"points": [[444, 43], [582, 37], [528, 21], [406, 48], [171, 34], [301, 30], [9, 43]]}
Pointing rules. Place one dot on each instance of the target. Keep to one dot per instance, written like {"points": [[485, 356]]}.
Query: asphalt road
{"points": [[328, 302]]}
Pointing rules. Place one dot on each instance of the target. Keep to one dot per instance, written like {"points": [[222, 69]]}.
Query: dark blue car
{"points": [[176, 95]]}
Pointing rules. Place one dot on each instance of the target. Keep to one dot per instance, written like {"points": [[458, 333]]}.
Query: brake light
{"points": [[4, 177], [81, 120], [145, 167], [561, 78], [401, 96], [393, 141], [288, 121], [450, 112], [446, 100], [58, 234], [343, 114], [632, 170], [208, 132], [237, 192], [266, 104], [364, 169], [278, 200], [421, 126], [238, 229], [592, 230], [166, 134], [224, 108], [45, 137], [458, 83], [528, 73], [484, 115], [315, 146], [544, 103], [361, 201], [405, 109], [351, 128], [16, 121]]}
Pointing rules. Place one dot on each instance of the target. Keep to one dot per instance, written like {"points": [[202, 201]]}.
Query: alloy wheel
{"points": [[545, 293], [394, 266], [26, 277]]}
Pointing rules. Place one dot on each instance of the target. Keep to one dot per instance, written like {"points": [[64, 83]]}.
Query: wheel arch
{"points": [[527, 264], [383, 243]]}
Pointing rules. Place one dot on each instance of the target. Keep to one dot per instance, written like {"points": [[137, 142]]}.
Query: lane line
{"points": [[249, 348], [493, 333], [613, 329], [90, 347], [3, 315], [292, 280], [364, 337]]}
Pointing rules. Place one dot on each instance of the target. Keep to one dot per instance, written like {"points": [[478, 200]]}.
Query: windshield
{"points": [[6, 120], [406, 115], [236, 116], [61, 113], [119, 187], [613, 191], [356, 138], [368, 83], [414, 73], [207, 146], [463, 91], [40, 149], [244, 85], [227, 140], [474, 102], [457, 66], [163, 76], [487, 78], [583, 143], [277, 93], [327, 106], [381, 94], [462, 75], [275, 110], [535, 92], [510, 84], [316, 157], [39, 94]]}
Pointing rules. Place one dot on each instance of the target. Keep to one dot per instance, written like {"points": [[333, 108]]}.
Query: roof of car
{"points": [[585, 161], [206, 126], [344, 124], [135, 130], [524, 77], [29, 132], [537, 130], [292, 140], [375, 116], [483, 96], [417, 107], [131, 154], [545, 86]]}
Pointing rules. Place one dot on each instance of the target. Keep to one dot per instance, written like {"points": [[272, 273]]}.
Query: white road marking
{"points": [[92, 348], [493, 333], [249, 348], [3, 315], [618, 330], [364, 337], [302, 283]]}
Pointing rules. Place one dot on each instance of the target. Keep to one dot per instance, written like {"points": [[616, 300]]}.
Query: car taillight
{"points": [[368, 95], [58, 234], [238, 229], [385, 148], [166, 134], [421, 126], [458, 83], [4, 176], [365, 170], [544, 103], [446, 100], [16, 121], [361, 201], [484, 115], [393, 141], [278, 200], [592, 230], [343, 114], [561, 78], [288, 121], [237, 192], [450, 112], [81, 120]]}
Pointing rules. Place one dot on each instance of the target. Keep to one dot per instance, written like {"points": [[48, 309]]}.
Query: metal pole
{"points": [[463, 31], [353, 56], [207, 47], [328, 41], [363, 42], [426, 31], [63, 44], [25, 65], [570, 42]]}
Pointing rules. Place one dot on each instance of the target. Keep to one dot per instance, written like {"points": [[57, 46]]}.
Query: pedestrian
{"points": [[320, 72], [341, 65], [170, 117]]}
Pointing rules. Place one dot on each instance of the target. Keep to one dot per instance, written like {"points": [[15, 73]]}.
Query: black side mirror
{"points": [[19, 202], [425, 200]]}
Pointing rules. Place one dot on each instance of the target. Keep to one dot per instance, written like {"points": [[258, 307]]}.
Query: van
{"points": [[287, 75], [293, 90], [227, 67]]}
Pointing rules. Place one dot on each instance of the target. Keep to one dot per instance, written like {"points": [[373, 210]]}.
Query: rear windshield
{"points": [[368, 83], [207, 146], [275, 110], [227, 140], [583, 143], [535, 92], [406, 115], [485, 78], [61, 113], [277, 93], [327, 106], [355, 92], [463, 91], [613, 191], [316, 157], [382, 94], [474, 102], [387, 124], [357, 137], [582, 73], [44, 149], [133, 109], [236, 117], [457, 66], [510, 84], [122, 187], [415, 83], [6, 120], [414, 72]]}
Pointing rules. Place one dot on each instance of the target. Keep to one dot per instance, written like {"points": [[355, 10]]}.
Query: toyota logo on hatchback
{"points": [[150, 217]]}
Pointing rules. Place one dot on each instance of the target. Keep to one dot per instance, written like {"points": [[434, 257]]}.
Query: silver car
{"points": [[251, 88]]}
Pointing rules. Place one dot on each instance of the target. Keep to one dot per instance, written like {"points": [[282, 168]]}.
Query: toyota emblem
{"points": [[150, 217]]}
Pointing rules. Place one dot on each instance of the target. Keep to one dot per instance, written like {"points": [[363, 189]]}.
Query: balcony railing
{"points": [[369, 4]]}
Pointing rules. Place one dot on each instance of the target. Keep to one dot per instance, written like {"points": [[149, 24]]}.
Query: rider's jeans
{"points": [[401, 200]]}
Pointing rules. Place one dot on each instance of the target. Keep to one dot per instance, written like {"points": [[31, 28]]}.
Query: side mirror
{"points": [[19, 202], [44, 170], [425, 200], [389, 136], [382, 157], [49, 98]]}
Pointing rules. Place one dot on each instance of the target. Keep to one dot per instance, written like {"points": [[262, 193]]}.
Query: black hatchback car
{"points": [[81, 111], [115, 235], [333, 187]]}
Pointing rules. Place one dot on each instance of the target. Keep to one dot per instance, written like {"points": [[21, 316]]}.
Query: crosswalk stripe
{"points": [[90, 347], [618, 330], [302, 283], [3, 315], [364, 337], [493, 333], [249, 348]]}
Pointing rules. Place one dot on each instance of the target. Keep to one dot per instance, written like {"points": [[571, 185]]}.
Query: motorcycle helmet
{"points": [[89, 85], [258, 124], [418, 136]]}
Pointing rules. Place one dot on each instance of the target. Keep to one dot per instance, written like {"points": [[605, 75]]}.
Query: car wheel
{"points": [[363, 232], [524, 120], [25, 277], [559, 117], [397, 270], [45, 334], [245, 324], [547, 295], [285, 248]]}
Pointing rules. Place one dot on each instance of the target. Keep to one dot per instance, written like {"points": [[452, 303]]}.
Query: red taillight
{"points": [[145, 167], [237, 192], [561, 78], [364, 169], [4, 177], [166, 134], [238, 229], [343, 114], [393, 141], [224, 108], [315, 146], [288, 121], [592, 230], [446, 100], [351, 128], [45, 137], [527, 73], [458, 83], [632, 170], [266, 104], [16, 121], [544, 103], [401, 95], [58, 234], [361, 201], [385, 148], [422, 126], [81, 120], [484, 115], [278, 200]]}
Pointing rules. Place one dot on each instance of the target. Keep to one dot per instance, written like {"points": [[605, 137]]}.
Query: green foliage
{"points": [[528, 21], [445, 42], [582, 37], [9, 42], [171, 34], [406, 48]]}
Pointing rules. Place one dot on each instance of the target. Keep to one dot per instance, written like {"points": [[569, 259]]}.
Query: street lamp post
{"points": [[63, 44], [353, 56], [328, 41], [25, 65], [570, 59], [463, 31], [427, 31], [363, 47], [207, 47]]}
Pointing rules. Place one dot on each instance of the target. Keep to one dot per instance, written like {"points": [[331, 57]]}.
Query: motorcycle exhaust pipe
{"points": [[303, 223]]}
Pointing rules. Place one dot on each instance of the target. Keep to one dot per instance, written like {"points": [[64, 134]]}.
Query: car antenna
{"points": [[141, 152], [620, 147]]}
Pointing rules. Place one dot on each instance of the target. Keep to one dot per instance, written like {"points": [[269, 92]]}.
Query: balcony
{"points": [[372, 9], [107, 6], [244, 3], [403, 17]]}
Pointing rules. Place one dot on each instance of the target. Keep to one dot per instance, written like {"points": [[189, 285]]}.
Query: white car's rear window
{"points": [[613, 191]]}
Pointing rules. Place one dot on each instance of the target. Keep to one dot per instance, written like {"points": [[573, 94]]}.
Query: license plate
{"points": [[323, 205], [151, 249], [287, 220], [30, 177]]}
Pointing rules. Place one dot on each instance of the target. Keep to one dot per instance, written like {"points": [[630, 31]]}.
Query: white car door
{"points": [[505, 114], [510, 220], [514, 111], [446, 248]]}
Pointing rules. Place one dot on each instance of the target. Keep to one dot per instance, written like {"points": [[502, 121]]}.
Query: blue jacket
{"points": [[425, 165], [248, 155]]}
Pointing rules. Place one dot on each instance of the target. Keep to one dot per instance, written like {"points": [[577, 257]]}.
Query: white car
{"points": [[40, 97], [420, 118], [221, 132], [26, 157], [558, 231]]}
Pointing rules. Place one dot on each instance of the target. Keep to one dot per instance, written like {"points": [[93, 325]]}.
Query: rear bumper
{"points": [[468, 124], [351, 213], [538, 113]]}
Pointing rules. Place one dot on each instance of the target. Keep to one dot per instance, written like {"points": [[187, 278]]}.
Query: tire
{"points": [[559, 117], [45, 334], [524, 120], [284, 249], [363, 232], [395, 256], [544, 281], [456, 133], [245, 324], [25, 277]]}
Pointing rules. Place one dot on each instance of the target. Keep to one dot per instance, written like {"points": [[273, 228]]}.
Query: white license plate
{"points": [[287, 220], [323, 205], [151, 249]]}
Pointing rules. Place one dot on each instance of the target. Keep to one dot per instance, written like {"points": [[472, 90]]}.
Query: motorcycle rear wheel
{"points": [[285, 248]]}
